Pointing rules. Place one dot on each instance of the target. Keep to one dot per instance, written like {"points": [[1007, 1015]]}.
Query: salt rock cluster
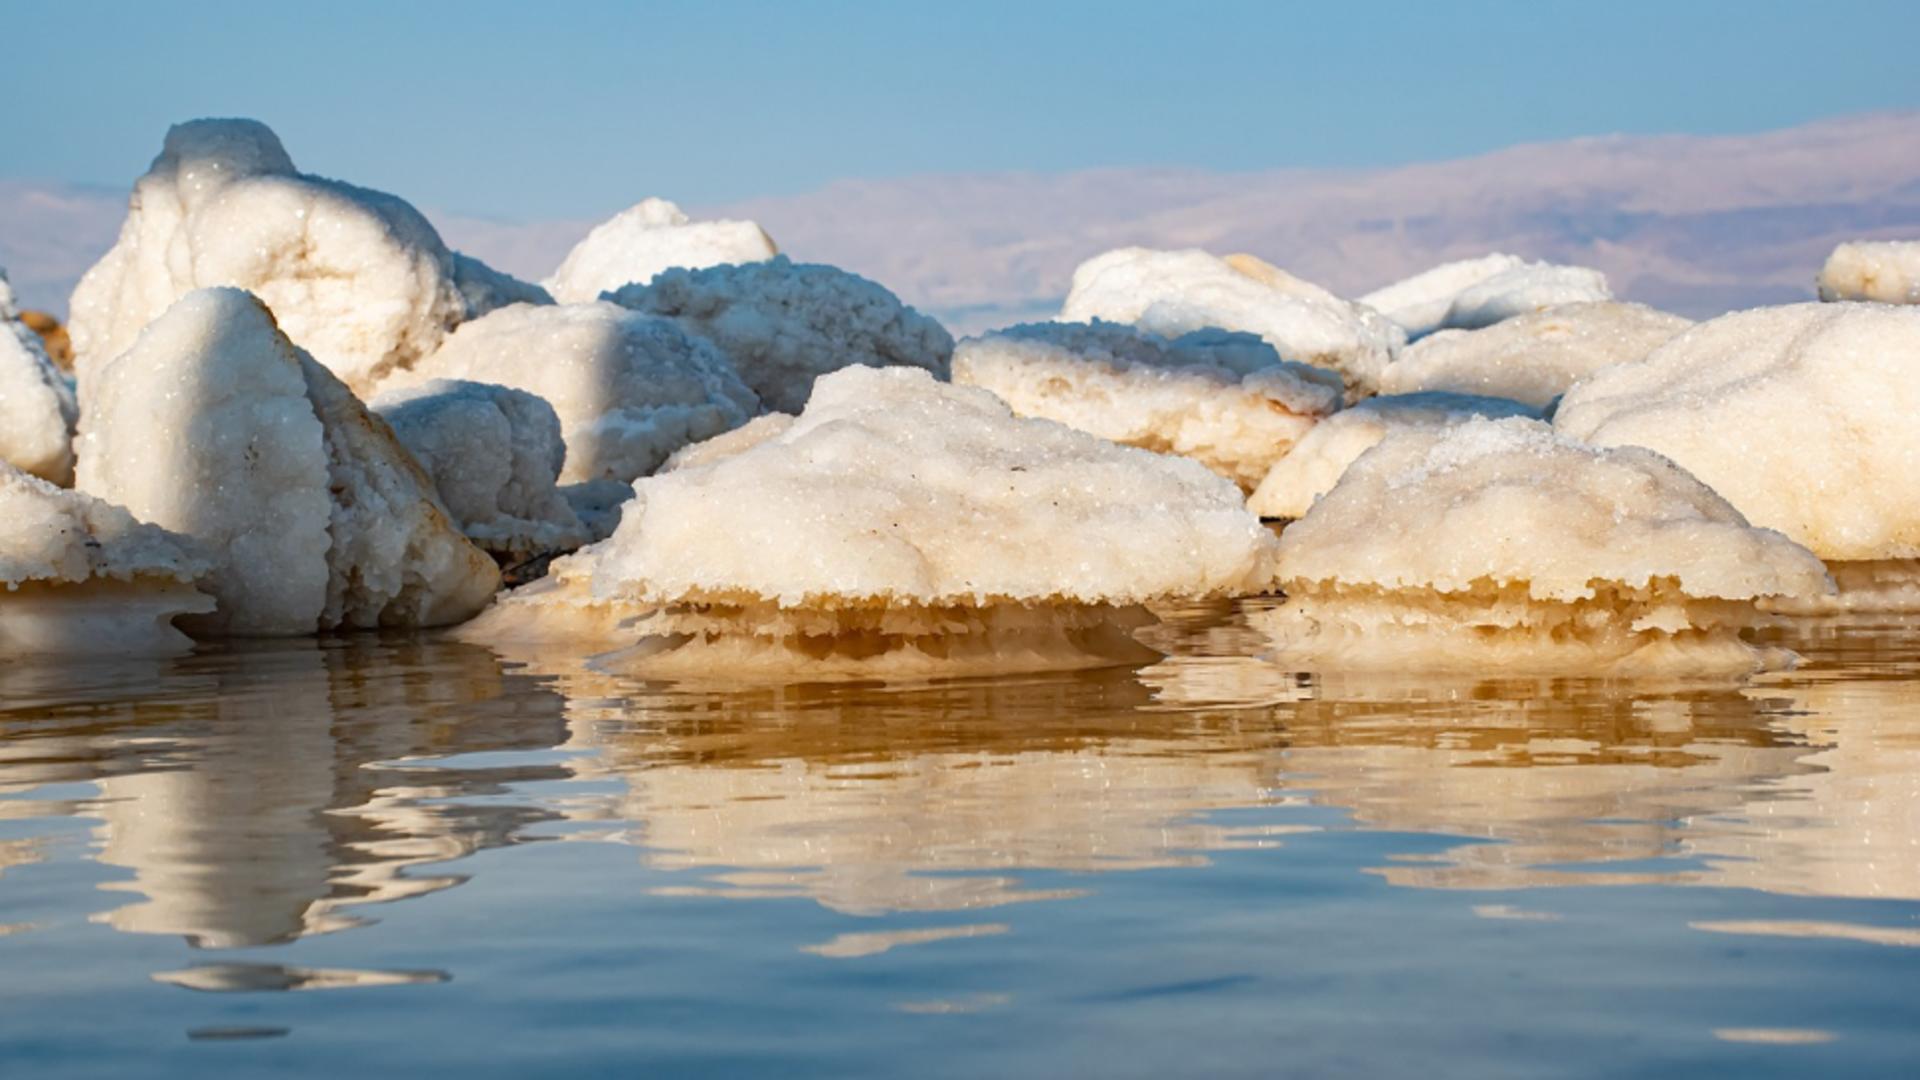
{"points": [[1473, 293], [783, 323], [1226, 400], [1887, 271], [358, 277], [37, 406], [1802, 416], [1171, 293], [1533, 357], [897, 527], [1499, 544], [637, 244], [1420, 303]]}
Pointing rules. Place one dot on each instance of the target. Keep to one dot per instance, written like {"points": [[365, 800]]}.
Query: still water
{"points": [[384, 856]]}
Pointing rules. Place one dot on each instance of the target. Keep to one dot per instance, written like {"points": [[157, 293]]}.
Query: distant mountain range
{"points": [[1695, 224]]}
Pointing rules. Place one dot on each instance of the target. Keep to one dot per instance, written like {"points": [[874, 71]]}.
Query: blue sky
{"points": [[573, 109]]}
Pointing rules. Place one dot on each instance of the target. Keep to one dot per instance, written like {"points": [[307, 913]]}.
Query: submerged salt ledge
{"points": [[1535, 357], [1886, 271], [637, 244]]}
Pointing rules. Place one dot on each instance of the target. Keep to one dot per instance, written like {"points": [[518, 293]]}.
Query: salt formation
{"points": [[1171, 293], [1887, 271], [635, 245], [783, 323], [357, 277], [738, 441], [37, 407], [83, 578], [1533, 357], [216, 426], [1498, 544], [1524, 288], [630, 389], [1226, 400], [1312, 468], [899, 527], [1420, 303], [1802, 416], [494, 455]]}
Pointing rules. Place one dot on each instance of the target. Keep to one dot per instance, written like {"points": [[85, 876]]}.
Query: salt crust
{"points": [[1226, 400], [635, 245], [216, 426], [1420, 303], [1319, 460], [1524, 288], [1887, 271], [357, 277], [1534, 357], [1171, 293], [898, 527], [83, 578], [783, 323], [1497, 544], [37, 407], [725, 445], [629, 389]]}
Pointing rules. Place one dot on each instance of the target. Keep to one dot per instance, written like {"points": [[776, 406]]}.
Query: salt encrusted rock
{"points": [[898, 527], [635, 245], [216, 426], [9, 308], [1524, 288], [1226, 400], [1499, 545], [1802, 416], [1534, 357], [1319, 460], [783, 323], [356, 277], [83, 578], [629, 389], [1420, 303], [1887, 271], [1171, 293], [494, 455], [37, 407], [725, 445]]}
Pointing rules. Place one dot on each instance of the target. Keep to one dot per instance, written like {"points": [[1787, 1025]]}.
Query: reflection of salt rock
{"points": [[1517, 291], [635, 245], [1497, 544], [1318, 462], [37, 409], [1420, 303], [494, 455], [784, 323], [1887, 271], [357, 277], [629, 389], [1171, 293], [727, 444], [899, 526], [82, 577], [1226, 400], [1802, 416], [214, 425], [1532, 357]]}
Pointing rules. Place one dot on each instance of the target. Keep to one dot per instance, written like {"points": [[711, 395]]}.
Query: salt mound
{"points": [[783, 323], [1226, 400], [37, 407], [635, 245], [1420, 303], [727, 444], [1533, 357], [1525, 288], [1887, 271], [898, 527], [1171, 293], [83, 578], [1499, 544], [494, 455], [1317, 463], [216, 426], [630, 389], [357, 277]]}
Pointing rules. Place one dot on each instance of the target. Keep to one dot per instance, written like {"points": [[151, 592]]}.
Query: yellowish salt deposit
{"points": [[1887, 271]]}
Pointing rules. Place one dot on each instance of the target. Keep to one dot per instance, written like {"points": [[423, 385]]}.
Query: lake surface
{"points": [[401, 857]]}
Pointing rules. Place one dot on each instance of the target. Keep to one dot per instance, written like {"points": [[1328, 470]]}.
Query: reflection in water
{"points": [[253, 978]]}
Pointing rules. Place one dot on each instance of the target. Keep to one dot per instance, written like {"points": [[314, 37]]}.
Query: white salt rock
{"points": [[9, 309], [1171, 293], [783, 323], [1316, 464], [1420, 303], [725, 445], [597, 503], [83, 578], [1533, 357], [1887, 271], [357, 277], [1226, 400], [898, 526], [216, 426], [1524, 288], [37, 406], [494, 454], [635, 245], [1498, 544], [629, 389]]}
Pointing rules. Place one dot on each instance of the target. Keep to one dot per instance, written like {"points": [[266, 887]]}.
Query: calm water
{"points": [[378, 857]]}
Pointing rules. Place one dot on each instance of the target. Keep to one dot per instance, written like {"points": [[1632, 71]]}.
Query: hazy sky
{"points": [[521, 110]]}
